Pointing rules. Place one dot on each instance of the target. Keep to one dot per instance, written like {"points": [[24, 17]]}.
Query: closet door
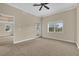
{"points": [[1, 29]]}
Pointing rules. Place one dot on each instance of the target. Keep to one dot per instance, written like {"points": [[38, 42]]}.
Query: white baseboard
{"points": [[15, 42], [60, 39], [77, 45]]}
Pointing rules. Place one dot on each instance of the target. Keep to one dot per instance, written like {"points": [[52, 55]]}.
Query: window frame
{"points": [[54, 22]]}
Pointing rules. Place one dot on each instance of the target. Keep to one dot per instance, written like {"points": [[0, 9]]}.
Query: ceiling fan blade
{"points": [[46, 7], [46, 3], [40, 8], [36, 4]]}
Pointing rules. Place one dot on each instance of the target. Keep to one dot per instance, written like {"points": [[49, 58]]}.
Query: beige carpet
{"points": [[38, 47]]}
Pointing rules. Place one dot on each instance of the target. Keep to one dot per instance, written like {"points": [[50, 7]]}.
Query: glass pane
{"points": [[51, 27], [59, 27]]}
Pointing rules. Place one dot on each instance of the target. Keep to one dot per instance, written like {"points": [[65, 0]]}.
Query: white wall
{"points": [[69, 30], [77, 14], [25, 23]]}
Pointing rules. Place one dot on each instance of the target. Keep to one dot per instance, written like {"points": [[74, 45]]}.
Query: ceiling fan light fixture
{"points": [[42, 5]]}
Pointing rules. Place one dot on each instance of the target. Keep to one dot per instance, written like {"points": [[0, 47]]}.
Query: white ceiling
{"points": [[54, 8]]}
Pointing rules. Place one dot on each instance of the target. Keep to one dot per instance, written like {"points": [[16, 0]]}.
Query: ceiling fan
{"points": [[42, 5]]}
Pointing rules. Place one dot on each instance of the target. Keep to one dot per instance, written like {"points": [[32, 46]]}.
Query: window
{"points": [[55, 26], [8, 27]]}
